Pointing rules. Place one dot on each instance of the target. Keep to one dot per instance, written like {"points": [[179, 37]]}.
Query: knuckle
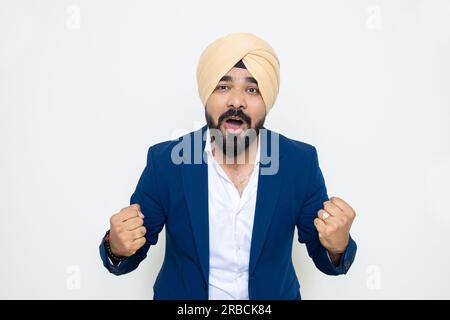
{"points": [[118, 228], [114, 229], [334, 198], [126, 211], [112, 219], [128, 247], [136, 246]]}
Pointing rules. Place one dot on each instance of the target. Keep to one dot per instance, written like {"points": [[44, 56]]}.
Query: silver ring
{"points": [[325, 215]]}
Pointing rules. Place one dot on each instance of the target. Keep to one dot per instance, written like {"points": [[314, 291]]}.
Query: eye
{"points": [[222, 87], [253, 90]]}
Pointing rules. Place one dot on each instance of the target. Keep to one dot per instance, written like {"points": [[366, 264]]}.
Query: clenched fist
{"points": [[127, 231], [333, 223]]}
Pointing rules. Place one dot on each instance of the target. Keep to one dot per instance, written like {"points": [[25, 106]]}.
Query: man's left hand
{"points": [[333, 223]]}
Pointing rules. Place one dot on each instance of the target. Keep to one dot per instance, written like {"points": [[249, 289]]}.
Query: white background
{"points": [[87, 86]]}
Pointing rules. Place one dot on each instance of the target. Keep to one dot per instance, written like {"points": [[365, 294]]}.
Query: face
{"points": [[236, 110]]}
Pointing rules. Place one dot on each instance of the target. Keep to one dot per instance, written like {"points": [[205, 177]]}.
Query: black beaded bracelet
{"points": [[115, 259]]}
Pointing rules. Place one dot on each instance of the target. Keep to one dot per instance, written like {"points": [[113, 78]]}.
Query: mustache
{"points": [[236, 113]]}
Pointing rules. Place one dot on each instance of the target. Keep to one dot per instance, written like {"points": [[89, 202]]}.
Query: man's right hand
{"points": [[127, 231]]}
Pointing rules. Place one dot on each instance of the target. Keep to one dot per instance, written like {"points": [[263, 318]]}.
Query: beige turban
{"points": [[258, 56]]}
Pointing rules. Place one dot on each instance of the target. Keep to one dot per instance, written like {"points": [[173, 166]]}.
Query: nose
{"points": [[236, 99]]}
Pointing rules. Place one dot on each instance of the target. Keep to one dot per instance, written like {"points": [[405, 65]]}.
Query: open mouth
{"points": [[234, 124]]}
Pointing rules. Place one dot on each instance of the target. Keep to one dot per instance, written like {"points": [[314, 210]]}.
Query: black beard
{"points": [[234, 144]]}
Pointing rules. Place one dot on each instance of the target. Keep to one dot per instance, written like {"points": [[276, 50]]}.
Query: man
{"points": [[231, 194]]}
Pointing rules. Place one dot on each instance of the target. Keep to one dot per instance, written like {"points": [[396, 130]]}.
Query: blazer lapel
{"points": [[266, 199], [195, 183]]}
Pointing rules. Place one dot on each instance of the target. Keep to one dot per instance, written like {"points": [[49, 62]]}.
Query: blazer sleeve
{"points": [[146, 195], [316, 195]]}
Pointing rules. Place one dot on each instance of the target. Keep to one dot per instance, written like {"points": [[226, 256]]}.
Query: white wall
{"points": [[87, 86]]}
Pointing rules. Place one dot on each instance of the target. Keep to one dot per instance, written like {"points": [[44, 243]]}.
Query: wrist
{"points": [[339, 247], [116, 259], [336, 251], [335, 257]]}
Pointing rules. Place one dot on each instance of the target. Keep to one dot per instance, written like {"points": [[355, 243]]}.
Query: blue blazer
{"points": [[176, 196]]}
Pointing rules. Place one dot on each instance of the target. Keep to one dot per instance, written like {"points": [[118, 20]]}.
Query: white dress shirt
{"points": [[230, 229]]}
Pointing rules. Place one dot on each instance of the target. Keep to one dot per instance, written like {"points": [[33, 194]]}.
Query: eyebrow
{"points": [[231, 79]]}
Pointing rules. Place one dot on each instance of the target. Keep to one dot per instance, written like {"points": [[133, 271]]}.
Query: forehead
{"points": [[238, 73]]}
